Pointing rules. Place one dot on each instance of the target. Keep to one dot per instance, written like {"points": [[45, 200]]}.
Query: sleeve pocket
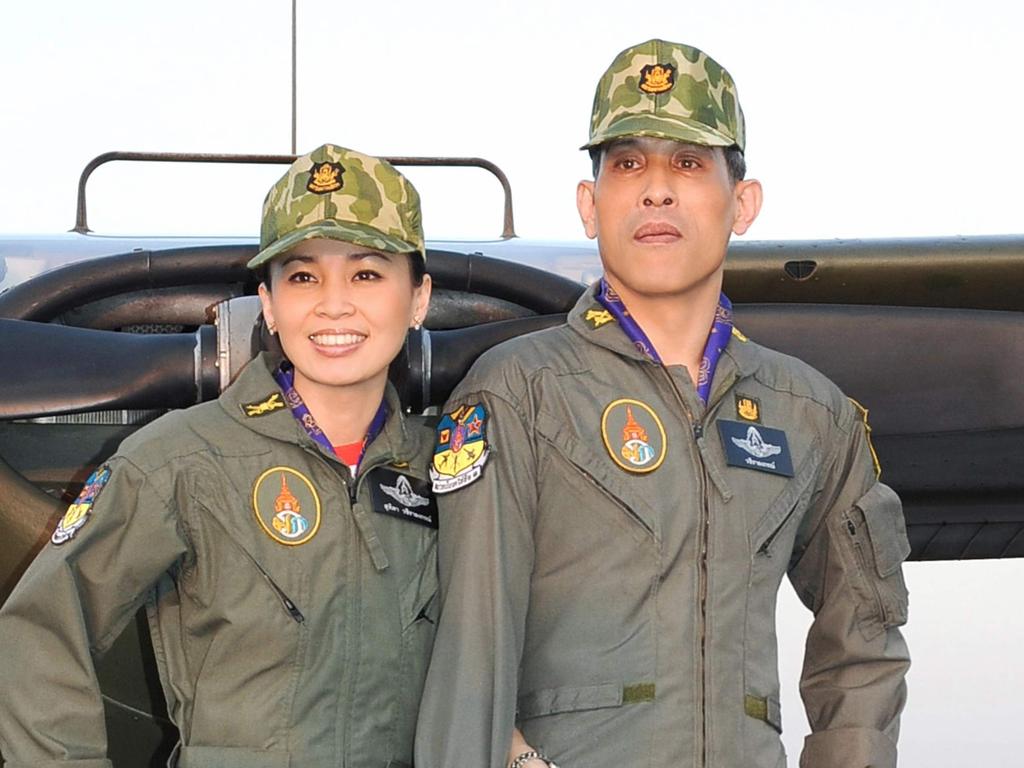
{"points": [[874, 544], [887, 528]]}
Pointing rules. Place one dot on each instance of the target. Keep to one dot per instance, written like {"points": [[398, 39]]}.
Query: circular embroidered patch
{"points": [[633, 435], [287, 506]]}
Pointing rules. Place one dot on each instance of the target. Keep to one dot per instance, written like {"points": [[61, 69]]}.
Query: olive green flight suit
{"points": [[304, 647], [627, 618]]}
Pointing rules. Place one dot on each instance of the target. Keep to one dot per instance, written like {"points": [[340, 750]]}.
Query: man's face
{"points": [[662, 212]]}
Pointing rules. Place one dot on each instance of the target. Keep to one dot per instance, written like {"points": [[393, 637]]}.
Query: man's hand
{"points": [[519, 747]]}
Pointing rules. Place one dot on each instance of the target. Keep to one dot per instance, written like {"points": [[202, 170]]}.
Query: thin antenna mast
{"points": [[294, 45]]}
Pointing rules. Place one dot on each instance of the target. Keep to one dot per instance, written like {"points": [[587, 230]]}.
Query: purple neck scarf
{"points": [[718, 339], [285, 378]]}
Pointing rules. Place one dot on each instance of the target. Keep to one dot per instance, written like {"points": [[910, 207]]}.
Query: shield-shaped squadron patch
{"points": [[78, 513], [461, 448]]}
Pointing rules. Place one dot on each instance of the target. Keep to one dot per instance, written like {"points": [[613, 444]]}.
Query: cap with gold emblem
{"points": [[670, 91], [339, 194]]}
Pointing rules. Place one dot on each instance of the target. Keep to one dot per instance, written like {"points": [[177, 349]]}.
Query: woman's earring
{"points": [[272, 328], [416, 323]]}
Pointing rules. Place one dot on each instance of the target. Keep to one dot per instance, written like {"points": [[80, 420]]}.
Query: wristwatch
{"points": [[522, 759]]}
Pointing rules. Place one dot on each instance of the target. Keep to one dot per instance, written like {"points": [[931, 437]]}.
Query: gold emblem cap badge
{"points": [[325, 177], [657, 78]]}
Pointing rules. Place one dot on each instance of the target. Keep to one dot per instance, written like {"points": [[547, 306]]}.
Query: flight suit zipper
{"points": [[765, 548], [697, 430], [286, 601], [288, 604], [862, 562]]}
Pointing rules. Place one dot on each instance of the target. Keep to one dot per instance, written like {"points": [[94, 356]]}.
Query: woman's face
{"points": [[341, 311]]}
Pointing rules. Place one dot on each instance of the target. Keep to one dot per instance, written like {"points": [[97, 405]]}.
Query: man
{"points": [[623, 494]]}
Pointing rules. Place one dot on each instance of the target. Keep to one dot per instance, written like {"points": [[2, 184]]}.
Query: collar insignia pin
{"points": [[598, 317], [263, 407]]}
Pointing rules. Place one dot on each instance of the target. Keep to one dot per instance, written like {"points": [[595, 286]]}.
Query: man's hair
{"points": [[417, 271], [735, 163]]}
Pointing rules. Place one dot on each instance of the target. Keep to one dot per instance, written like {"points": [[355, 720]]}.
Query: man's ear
{"points": [[749, 196], [585, 205]]}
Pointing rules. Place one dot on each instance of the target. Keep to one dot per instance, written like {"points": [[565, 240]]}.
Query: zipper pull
{"points": [[698, 431], [292, 609]]}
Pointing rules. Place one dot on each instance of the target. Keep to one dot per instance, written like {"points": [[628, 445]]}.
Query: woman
{"points": [[281, 538]]}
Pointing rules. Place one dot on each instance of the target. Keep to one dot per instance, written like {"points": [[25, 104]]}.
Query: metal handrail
{"points": [[81, 219]]}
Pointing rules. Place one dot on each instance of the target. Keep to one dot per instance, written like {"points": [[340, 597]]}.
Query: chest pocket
{"points": [[594, 473], [224, 550], [767, 535]]}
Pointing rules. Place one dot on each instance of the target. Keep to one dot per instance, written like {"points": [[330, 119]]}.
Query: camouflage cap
{"points": [[668, 90], [339, 194]]}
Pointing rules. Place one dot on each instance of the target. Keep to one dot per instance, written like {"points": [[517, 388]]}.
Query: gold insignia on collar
{"points": [[325, 177], [263, 407], [738, 335], [657, 78], [598, 317], [748, 408]]}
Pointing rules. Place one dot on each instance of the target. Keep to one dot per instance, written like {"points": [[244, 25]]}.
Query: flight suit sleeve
{"points": [[485, 555], [72, 602], [849, 574]]}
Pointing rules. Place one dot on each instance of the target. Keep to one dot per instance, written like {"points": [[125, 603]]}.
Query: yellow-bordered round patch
{"points": [[286, 505], [633, 435]]}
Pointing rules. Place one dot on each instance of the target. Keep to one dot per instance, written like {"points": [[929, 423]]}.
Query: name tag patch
{"points": [[403, 497], [756, 447]]}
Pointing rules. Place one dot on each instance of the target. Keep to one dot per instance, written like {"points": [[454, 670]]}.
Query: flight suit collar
{"points": [[741, 357], [744, 355], [597, 325], [255, 400]]}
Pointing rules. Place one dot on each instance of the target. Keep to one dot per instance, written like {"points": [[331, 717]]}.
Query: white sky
{"points": [[864, 119]]}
